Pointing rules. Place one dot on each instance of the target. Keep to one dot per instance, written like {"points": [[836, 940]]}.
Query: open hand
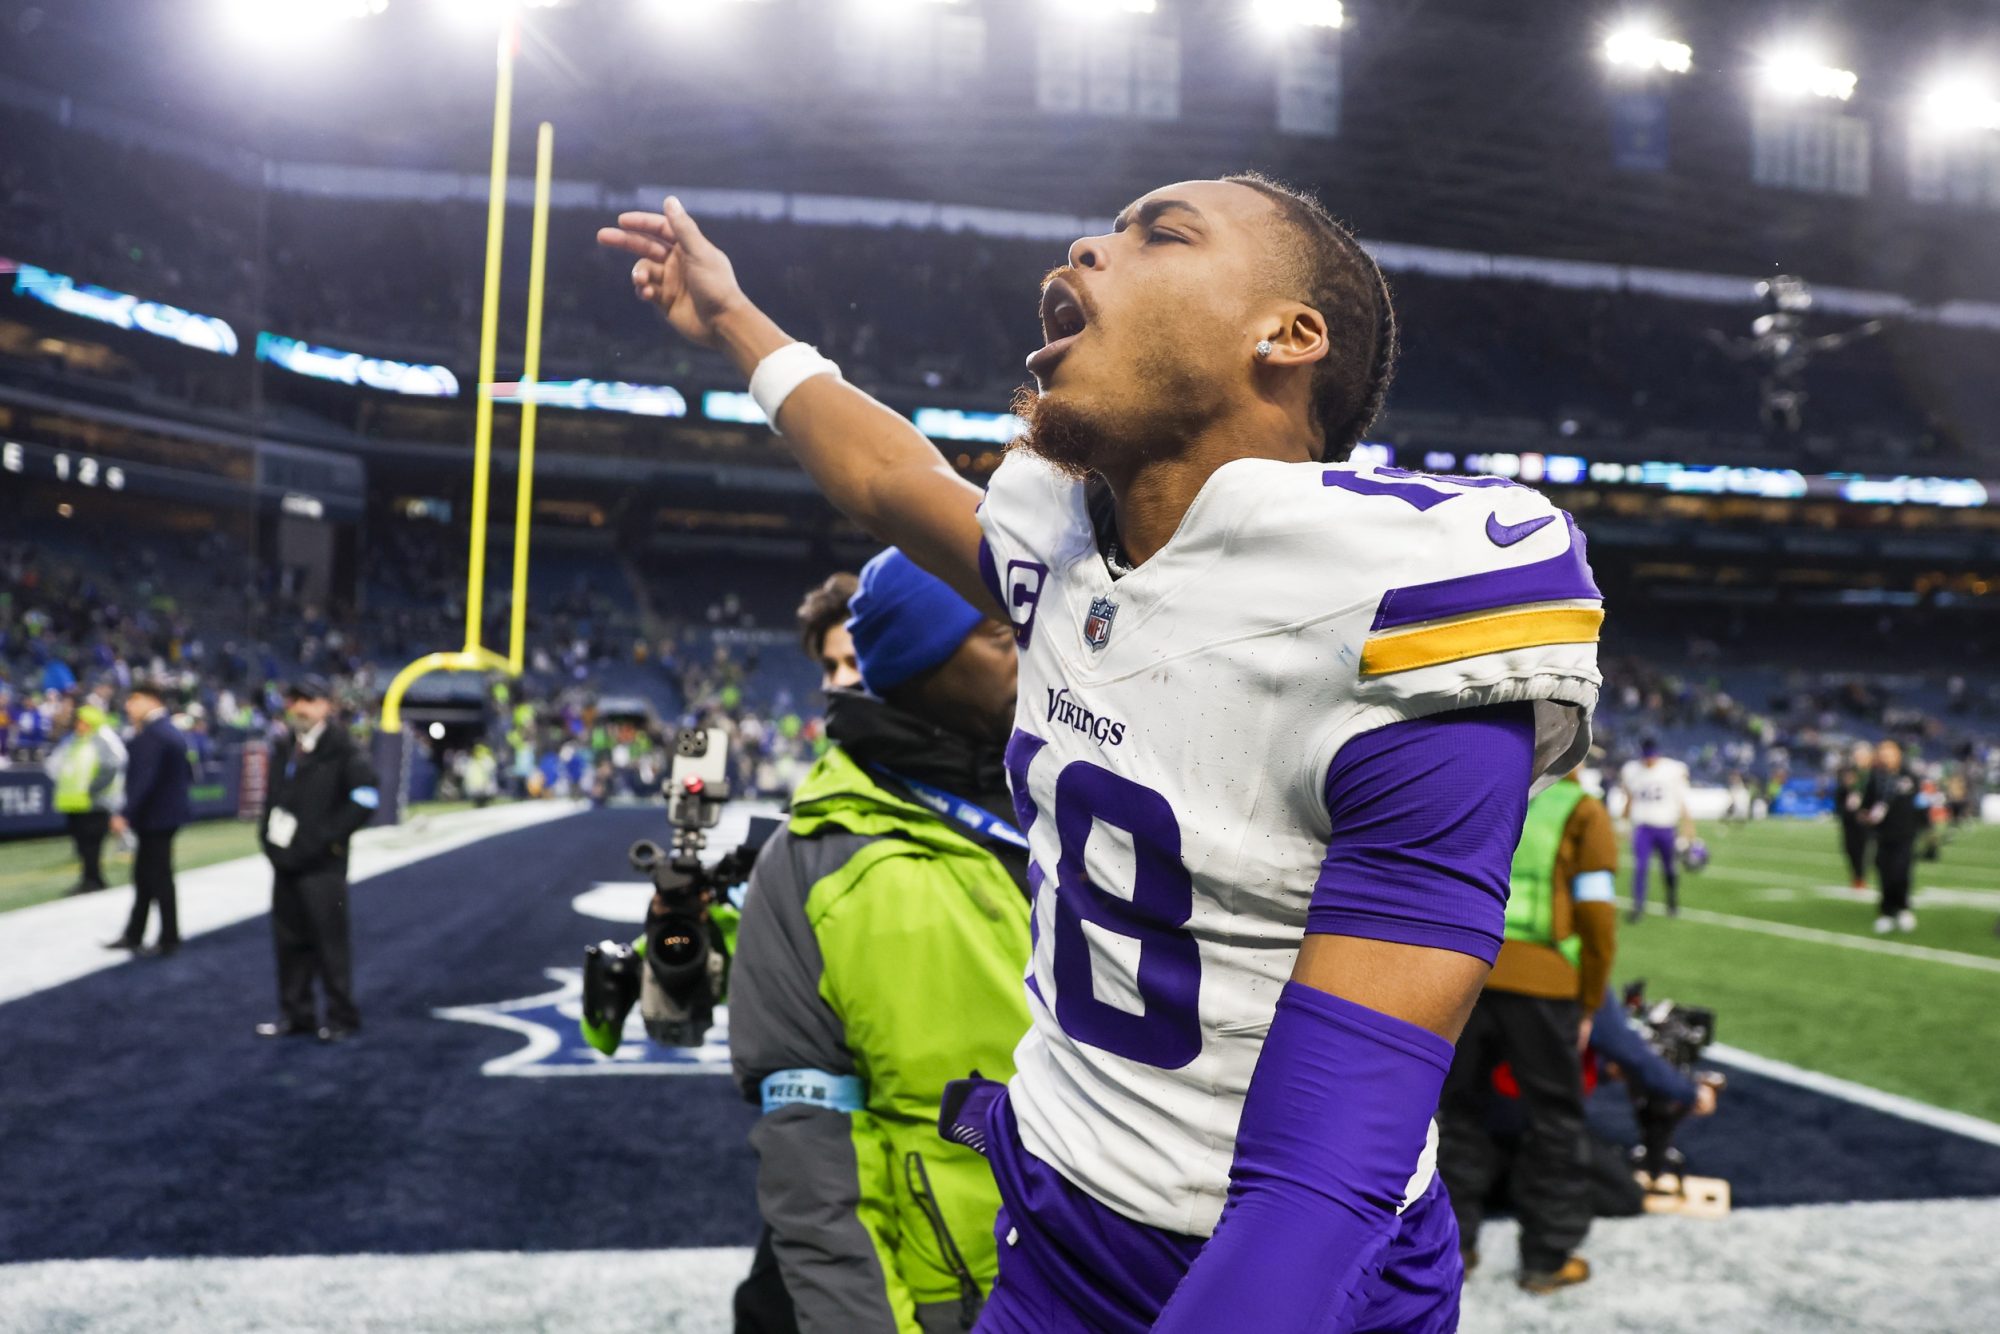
{"points": [[678, 270]]}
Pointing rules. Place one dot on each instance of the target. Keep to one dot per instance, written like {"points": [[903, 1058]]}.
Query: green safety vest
{"points": [[75, 775], [1531, 901]]}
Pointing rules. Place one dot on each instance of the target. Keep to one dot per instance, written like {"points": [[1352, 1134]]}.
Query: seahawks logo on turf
{"points": [[555, 1046]]}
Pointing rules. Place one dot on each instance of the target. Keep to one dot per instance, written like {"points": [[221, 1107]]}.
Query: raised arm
{"points": [[868, 459]]}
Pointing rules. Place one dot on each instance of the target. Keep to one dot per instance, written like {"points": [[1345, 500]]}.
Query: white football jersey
{"points": [[1173, 737], [1655, 793]]}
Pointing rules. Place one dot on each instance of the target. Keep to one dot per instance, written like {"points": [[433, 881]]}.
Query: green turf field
{"points": [[1772, 938], [36, 870]]}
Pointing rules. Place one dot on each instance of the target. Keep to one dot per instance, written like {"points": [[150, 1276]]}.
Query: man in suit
{"points": [[323, 790], [157, 780]]}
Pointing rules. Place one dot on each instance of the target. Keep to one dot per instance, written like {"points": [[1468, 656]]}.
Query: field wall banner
{"points": [[28, 799]]}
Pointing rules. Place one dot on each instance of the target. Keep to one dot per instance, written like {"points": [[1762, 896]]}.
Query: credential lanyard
{"points": [[962, 812]]}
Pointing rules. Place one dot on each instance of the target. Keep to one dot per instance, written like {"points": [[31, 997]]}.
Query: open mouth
{"points": [[1063, 321]]}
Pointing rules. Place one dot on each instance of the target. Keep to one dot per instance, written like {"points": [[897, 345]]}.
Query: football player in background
{"points": [[1278, 721], [1656, 802]]}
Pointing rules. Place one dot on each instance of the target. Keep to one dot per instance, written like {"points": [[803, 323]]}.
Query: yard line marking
{"points": [[1894, 1104], [1925, 896], [1948, 867], [1926, 953]]}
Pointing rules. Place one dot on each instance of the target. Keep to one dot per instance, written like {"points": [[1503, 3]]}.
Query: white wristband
{"points": [[783, 371]]}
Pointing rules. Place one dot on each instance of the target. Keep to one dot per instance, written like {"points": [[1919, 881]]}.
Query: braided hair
{"points": [[1345, 285]]}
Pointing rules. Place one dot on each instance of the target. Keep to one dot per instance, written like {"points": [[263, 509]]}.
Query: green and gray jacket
{"points": [[88, 772], [880, 955]]}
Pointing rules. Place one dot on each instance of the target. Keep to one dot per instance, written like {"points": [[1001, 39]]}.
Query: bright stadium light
{"points": [[287, 20], [1094, 9], [1282, 15], [491, 11], [1797, 74], [1958, 103], [1644, 50], [696, 10]]}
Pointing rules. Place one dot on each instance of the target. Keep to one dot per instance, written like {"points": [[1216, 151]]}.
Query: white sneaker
{"points": [[1906, 920], [1884, 925]]}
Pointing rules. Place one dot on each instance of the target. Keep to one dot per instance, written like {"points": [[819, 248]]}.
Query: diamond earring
{"points": [[1263, 347]]}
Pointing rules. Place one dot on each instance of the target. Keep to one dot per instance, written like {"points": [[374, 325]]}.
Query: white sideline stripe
{"points": [[1925, 953], [52, 943], [1895, 1104]]}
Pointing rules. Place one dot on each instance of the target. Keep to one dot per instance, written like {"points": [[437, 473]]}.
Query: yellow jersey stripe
{"points": [[1386, 654]]}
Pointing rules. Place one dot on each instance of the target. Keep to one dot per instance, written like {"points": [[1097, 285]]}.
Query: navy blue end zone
{"points": [[1779, 1144], [140, 1117]]}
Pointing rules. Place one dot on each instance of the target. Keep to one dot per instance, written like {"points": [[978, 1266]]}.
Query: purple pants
{"points": [[1069, 1265], [1648, 839]]}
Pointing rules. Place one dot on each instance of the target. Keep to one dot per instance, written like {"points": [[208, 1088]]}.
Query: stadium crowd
{"points": [[78, 610], [1761, 732], [932, 311]]}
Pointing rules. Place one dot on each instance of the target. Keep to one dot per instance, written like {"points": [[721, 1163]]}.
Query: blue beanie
{"points": [[904, 621]]}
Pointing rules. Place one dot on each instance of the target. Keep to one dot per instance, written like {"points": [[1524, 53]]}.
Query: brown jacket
{"points": [[1589, 843]]}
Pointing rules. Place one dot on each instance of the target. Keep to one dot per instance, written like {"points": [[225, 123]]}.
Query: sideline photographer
{"points": [[880, 955]]}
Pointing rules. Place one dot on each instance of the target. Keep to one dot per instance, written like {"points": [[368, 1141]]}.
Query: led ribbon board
{"points": [[330, 363], [992, 428], [731, 405], [1706, 479], [122, 310], [641, 400]]}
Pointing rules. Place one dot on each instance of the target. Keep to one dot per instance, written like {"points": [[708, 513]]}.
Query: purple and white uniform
{"points": [[1182, 740], [1656, 793]]}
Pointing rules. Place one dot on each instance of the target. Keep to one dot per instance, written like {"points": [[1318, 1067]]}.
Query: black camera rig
{"points": [[679, 969], [1679, 1034]]}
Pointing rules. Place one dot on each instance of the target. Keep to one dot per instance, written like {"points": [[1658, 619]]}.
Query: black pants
{"points": [[309, 929], [762, 1304], [1854, 842], [87, 830], [1892, 863], [153, 882], [1551, 1172]]}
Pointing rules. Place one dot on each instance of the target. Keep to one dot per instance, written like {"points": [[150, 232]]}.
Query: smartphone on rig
{"points": [[698, 780]]}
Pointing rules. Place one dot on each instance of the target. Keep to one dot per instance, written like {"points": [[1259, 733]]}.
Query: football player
{"points": [[1279, 718], [1656, 802]]}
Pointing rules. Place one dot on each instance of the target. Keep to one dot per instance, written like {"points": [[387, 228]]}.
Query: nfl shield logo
{"points": [[1097, 625]]}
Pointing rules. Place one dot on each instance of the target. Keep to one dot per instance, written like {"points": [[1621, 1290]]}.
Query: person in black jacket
{"points": [[1850, 805], [322, 791], [1896, 813], [157, 781]]}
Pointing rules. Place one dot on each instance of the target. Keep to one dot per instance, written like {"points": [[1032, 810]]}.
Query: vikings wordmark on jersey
{"points": [[1298, 606]]}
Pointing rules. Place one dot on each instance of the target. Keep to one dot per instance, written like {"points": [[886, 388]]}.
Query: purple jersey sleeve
{"points": [[1332, 1134], [1426, 815]]}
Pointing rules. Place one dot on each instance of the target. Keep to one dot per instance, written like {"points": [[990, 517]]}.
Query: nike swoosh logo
{"points": [[1507, 534]]}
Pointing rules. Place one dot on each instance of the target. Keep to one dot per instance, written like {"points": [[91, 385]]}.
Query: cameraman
{"points": [[880, 955]]}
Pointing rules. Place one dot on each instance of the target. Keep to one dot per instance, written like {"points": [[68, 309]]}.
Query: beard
{"points": [[1061, 434], [1080, 441]]}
